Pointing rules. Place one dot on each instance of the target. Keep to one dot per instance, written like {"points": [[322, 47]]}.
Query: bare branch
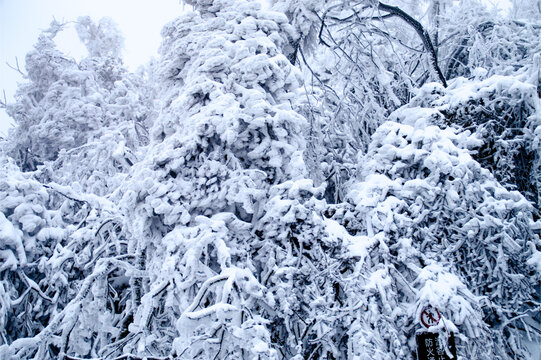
{"points": [[4, 103], [16, 67]]}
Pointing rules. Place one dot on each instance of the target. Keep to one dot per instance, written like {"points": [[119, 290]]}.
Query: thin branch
{"points": [[321, 30], [17, 68], [4, 103], [363, 18], [32, 284], [221, 343], [377, 30], [105, 222], [66, 196]]}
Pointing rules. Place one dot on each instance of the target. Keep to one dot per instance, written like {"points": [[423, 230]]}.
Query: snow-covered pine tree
{"points": [[226, 136], [45, 66]]}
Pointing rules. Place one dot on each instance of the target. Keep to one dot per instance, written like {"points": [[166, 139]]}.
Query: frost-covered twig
{"points": [[32, 284]]}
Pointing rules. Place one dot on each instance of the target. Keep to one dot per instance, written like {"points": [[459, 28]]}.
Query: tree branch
{"points": [[32, 284], [393, 10], [4, 103], [17, 68]]}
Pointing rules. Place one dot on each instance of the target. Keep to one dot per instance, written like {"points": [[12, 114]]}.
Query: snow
{"points": [[254, 193], [535, 261], [358, 246], [11, 237]]}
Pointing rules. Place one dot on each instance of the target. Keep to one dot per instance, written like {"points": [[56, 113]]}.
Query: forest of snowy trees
{"points": [[292, 180]]}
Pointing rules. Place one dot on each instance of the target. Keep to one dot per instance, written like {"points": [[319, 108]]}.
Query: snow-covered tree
{"points": [[45, 230], [85, 120], [81, 124], [45, 65], [226, 134], [505, 113], [444, 232]]}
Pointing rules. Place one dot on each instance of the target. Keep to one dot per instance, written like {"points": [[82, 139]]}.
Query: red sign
{"points": [[430, 316]]}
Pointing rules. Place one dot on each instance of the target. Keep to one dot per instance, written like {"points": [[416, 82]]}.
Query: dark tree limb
{"points": [[423, 34], [65, 195]]}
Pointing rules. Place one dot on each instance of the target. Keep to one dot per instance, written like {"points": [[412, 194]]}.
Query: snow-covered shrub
{"points": [[45, 65], [471, 38], [29, 232], [505, 113], [50, 239], [444, 232]]}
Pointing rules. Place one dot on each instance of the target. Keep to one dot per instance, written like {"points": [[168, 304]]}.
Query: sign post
{"points": [[428, 343]]}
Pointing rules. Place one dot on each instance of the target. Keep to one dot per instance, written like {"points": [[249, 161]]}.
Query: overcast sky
{"points": [[140, 21]]}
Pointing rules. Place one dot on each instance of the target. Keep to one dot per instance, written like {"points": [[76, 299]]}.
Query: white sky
{"points": [[140, 21], [21, 21]]}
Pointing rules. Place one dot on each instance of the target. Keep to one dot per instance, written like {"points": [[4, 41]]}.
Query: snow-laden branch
{"points": [[204, 288], [94, 201], [32, 284]]}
